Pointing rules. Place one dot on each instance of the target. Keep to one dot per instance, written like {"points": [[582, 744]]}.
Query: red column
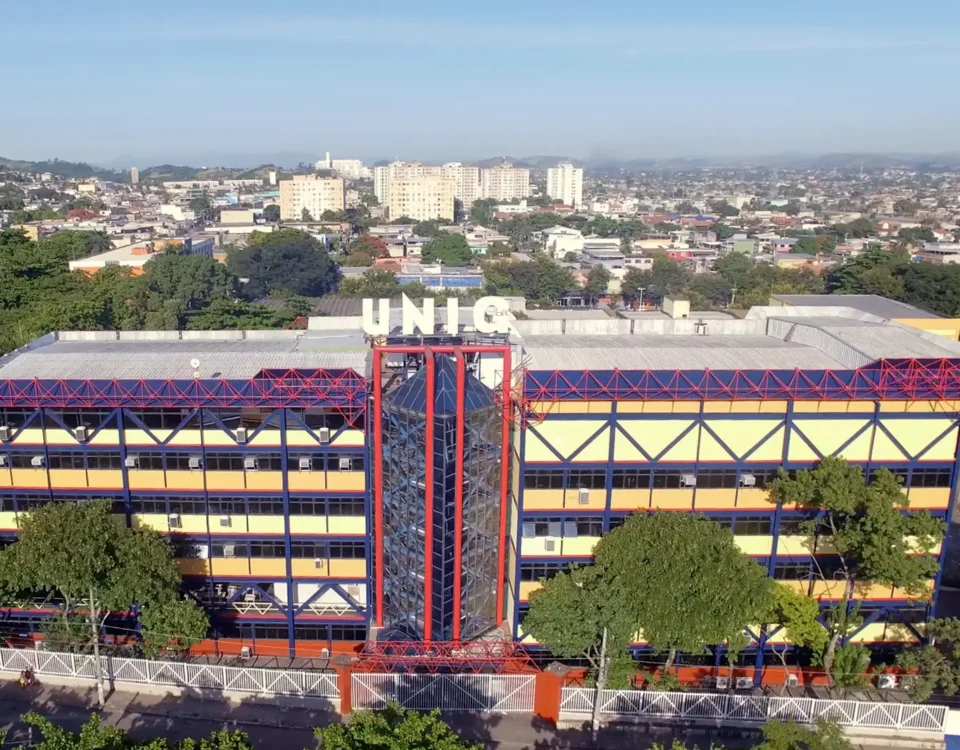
{"points": [[505, 455], [377, 428], [428, 497], [458, 496], [344, 683], [547, 694]]}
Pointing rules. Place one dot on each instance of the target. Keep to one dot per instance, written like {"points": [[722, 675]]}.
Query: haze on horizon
{"points": [[116, 83]]}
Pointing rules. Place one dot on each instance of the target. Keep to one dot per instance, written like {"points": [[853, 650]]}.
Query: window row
{"points": [[253, 506], [266, 631], [224, 461], [595, 479], [565, 527], [272, 549]]}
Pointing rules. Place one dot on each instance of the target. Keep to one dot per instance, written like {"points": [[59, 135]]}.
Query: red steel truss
{"points": [[481, 656]]}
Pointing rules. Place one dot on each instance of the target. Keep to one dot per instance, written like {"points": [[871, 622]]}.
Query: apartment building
{"points": [[565, 183], [399, 170], [421, 198], [311, 193], [505, 183], [466, 181]]}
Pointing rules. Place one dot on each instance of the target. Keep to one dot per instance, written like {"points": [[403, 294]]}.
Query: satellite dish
{"points": [[195, 363]]}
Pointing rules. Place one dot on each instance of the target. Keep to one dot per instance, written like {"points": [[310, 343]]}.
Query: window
{"points": [[147, 461], [103, 460], [753, 525], [271, 632], [669, 480], [148, 504], [795, 526], [65, 461], [629, 479], [224, 461], [265, 506], [345, 507], [267, 549], [345, 462], [715, 480], [791, 571], [536, 571], [311, 633], [28, 502], [188, 506], [588, 527], [74, 418], [182, 461], [225, 508], [14, 418], [930, 478], [348, 633], [593, 479], [348, 550], [308, 549], [543, 479], [26, 460], [7, 503], [157, 419]]}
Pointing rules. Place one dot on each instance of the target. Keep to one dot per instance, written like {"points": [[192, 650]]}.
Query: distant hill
{"points": [[67, 169]]}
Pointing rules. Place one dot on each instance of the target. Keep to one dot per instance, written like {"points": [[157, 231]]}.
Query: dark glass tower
{"points": [[441, 504]]}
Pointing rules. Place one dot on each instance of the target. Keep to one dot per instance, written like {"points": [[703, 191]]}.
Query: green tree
{"points": [[709, 290], [271, 213], [393, 728], [875, 542], [917, 235], [848, 277], [288, 260], [734, 268], [449, 248], [364, 250], [806, 246], [583, 613], [481, 212], [796, 615], [667, 277], [369, 199], [305, 215], [688, 585], [788, 735], [540, 280], [175, 286], [860, 228], [597, 280], [234, 314], [571, 257], [201, 205], [724, 209], [430, 228], [375, 283], [934, 665], [497, 249], [97, 565]]}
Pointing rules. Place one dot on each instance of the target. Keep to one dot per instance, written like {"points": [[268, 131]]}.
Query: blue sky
{"points": [[204, 81]]}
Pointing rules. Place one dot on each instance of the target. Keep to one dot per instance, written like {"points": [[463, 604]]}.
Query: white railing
{"points": [[194, 675], [724, 707], [449, 692]]}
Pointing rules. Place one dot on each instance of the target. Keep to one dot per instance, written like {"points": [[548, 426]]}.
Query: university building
{"points": [[327, 487]]}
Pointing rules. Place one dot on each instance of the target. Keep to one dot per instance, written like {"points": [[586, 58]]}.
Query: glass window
{"points": [[223, 461], [795, 525], [188, 506], [589, 527], [147, 461], [308, 549], [148, 504], [593, 479], [65, 460], [267, 549], [348, 632], [629, 479], [264, 506], [346, 507], [103, 460], [716, 480], [543, 479], [28, 460], [182, 461], [930, 478], [348, 550], [791, 571], [753, 525]]}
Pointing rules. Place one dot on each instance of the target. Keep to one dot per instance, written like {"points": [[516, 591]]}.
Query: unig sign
{"points": [[490, 315]]}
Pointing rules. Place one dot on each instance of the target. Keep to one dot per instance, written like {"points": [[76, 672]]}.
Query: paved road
{"points": [[274, 727]]}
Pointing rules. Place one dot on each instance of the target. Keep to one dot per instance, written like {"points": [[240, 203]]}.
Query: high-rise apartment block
{"points": [[505, 183], [466, 180], [311, 193], [565, 182], [421, 198], [134, 176]]}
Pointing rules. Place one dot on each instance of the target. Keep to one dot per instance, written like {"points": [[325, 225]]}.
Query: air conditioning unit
{"points": [[748, 480], [583, 496], [250, 464], [250, 596], [305, 464], [744, 683], [688, 480], [229, 550], [324, 653], [225, 521], [38, 462], [241, 434], [722, 683], [195, 463], [132, 462], [323, 434], [346, 464], [245, 652], [4, 462], [80, 433], [792, 681], [5, 432], [886, 681], [549, 545], [173, 521], [319, 563]]}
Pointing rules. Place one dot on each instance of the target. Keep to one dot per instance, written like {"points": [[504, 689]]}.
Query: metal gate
{"points": [[448, 692]]}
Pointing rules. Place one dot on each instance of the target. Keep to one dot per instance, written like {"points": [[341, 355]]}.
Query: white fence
{"points": [[448, 692], [194, 675], [722, 707]]}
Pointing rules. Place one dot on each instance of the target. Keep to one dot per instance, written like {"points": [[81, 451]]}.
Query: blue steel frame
{"points": [[883, 380]]}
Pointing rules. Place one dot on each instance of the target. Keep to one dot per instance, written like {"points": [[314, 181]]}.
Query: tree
{"points": [[788, 735], [271, 213], [374, 284], [796, 614], [497, 249], [393, 728], [724, 209], [848, 278], [734, 268], [234, 314], [709, 290], [540, 280], [570, 257], [597, 280], [667, 277], [806, 246], [874, 541], [429, 228], [935, 665], [450, 249], [201, 205], [306, 216], [481, 212], [369, 199], [583, 613], [687, 583], [288, 260], [917, 235], [860, 228], [364, 250], [98, 566]]}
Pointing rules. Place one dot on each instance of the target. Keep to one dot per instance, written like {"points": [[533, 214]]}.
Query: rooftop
{"points": [[868, 303]]}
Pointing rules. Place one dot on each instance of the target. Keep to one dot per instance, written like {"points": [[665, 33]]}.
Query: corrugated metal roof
{"points": [[871, 303]]}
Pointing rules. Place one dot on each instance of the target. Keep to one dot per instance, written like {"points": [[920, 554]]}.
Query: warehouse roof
{"points": [[868, 303], [222, 355]]}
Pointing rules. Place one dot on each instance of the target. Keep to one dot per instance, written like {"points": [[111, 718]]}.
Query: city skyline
{"points": [[616, 82]]}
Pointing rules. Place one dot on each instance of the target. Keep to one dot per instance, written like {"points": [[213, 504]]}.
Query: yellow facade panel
{"points": [[715, 499], [599, 407], [29, 436], [567, 436], [672, 499], [235, 566], [155, 521], [712, 449], [748, 498], [146, 479], [741, 436], [306, 481], [795, 545], [186, 437], [535, 449], [597, 500], [264, 481], [133, 437], [301, 439], [224, 480], [527, 588], [346, 568], [944, 449], [884, 449], [915, 435], [60, 437], [272, 567], [351, 481], [267, 524], [623, 449], [266, 438], [6, 478], [773, 407], [597, 450], [685, 448], [30, 478], [106, 437], [806, 407], [193, 567], [192, 523], [8, 521], [68, 479], [344, 524], [216, 438], [306, 524], [631, 407], [543, 499], [933, 498], [629, 499], [571, 407], [719, 407], [757, 545], [580, 546], [185, 480], [105, 479], [347, 438]]}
